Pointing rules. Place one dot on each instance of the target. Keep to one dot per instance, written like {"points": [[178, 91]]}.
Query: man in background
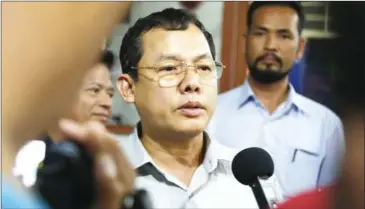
{"points": [[94, 102], [304, 138], [58, 42], [348, 192]]}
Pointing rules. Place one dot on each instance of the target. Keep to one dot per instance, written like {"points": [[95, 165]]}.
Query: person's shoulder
{"points": [[127, 144], [223, 152], [229, 98], [230, 95], [126, 141], [315, 109], [235, 91], [132, 148]]}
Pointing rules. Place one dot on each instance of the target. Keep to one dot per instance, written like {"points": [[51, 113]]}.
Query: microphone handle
{"points": [[259, 194]]}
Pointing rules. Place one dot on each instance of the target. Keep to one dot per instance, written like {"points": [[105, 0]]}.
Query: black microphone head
{"points": [[251, 163]]}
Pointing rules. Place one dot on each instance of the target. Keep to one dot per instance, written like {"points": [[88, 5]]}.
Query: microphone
{"points": [[248, 166]]}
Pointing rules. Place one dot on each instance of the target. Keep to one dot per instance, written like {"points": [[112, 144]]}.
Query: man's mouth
{"points": [[191, 105], [191, 109], [269, 59]]}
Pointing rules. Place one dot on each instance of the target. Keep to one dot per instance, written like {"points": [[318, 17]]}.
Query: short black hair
{"points": [[168, 19], [297, 6], [107, 58]]}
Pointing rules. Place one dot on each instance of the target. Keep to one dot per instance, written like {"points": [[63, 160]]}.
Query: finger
{"points": [[110, 189], [90, 134], [125, 170], [126, 173], [72, 128], [118, 178], [97, 140], [114, 174]]}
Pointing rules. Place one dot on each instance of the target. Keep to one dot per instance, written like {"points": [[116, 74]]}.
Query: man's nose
{"points": [[271, 43], [106, 101], [190, 83]]}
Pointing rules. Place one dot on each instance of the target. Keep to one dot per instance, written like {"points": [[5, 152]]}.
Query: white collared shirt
{"points": [[213, 184], [304, 138]]}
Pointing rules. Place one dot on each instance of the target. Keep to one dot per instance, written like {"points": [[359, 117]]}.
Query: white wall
{"points": [[209, 13]]}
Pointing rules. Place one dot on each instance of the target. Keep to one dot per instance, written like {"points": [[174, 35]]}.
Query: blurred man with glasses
{"points": [[170, 74]]}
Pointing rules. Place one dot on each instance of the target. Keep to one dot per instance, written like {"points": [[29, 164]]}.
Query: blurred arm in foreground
{"points": [[47, 48]]}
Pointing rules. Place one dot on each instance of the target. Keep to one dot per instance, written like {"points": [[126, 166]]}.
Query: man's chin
{"points": [[267, 76], [191, 126]]}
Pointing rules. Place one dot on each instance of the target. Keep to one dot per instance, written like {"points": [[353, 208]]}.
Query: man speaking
{"points": [[170, 74]]}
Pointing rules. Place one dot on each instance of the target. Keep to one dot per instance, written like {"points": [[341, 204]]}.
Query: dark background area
{"points": [[334, 68]]}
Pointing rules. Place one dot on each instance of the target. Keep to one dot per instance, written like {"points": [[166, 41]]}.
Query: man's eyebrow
{"points": [[93, 83], [284, 30], [169, 57], [203, 56], [178, 58], [281, 30], [260, 28], [101, 85]]}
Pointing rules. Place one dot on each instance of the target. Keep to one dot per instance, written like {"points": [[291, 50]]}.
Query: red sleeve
{"points": [[317, 199]]}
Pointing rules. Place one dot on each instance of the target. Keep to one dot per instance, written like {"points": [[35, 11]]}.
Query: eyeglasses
{"points": [[170, 75]]}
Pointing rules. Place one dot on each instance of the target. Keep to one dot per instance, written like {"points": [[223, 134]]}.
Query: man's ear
{"points": [[126, 86], [301, 49]]}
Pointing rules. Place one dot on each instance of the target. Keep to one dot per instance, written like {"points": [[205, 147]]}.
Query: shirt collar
{"points": [[138, 156], [248, 95], [216, 155]]}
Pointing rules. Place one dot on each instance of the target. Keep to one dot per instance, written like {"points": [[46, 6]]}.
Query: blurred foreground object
{"points": [[348, 57], [47, 47]]}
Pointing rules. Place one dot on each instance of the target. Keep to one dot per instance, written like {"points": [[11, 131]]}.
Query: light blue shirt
{"points": [[213, 184], [304, 138], [12, 197]]}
